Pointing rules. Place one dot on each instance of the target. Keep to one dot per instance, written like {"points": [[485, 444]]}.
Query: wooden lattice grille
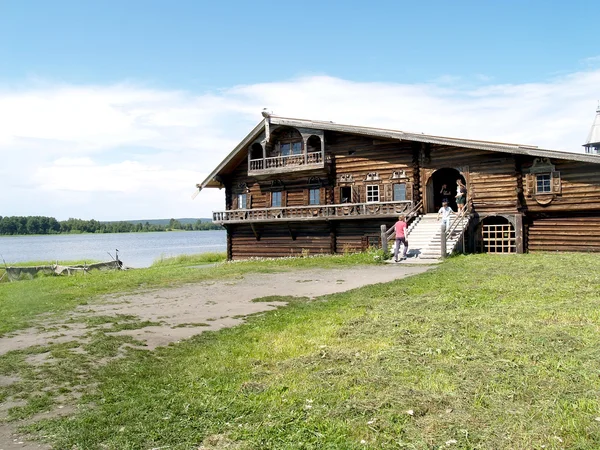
{"points": [[498, 238]]}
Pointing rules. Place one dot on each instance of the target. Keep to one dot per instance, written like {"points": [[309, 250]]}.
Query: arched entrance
{"points": [[495, 234], [436, 192]]}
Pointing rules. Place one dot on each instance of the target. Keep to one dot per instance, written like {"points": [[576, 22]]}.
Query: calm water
{"points": [[135, 249]]}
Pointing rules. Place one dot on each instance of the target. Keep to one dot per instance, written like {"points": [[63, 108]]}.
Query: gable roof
{"points": [[237, 155]]}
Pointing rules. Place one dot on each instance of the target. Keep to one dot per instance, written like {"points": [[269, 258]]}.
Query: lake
{"points": [[135, 249]]}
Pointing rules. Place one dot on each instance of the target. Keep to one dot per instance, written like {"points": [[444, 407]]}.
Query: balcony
{"points": [[289, 163], [314, 212]]}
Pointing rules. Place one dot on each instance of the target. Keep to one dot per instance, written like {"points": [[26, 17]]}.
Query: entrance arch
{"points": [[435, 195]]}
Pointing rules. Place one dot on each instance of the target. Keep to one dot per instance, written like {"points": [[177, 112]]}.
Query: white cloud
{"points": [[126, 151]]}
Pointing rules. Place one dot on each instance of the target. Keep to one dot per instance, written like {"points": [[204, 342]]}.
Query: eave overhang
{"points": [[236, 155]]}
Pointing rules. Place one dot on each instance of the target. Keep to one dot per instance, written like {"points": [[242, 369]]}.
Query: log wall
{"points": [[279, 239], [492, 178], [357, 156], [566, 233], [579, 188], [353, 236]]}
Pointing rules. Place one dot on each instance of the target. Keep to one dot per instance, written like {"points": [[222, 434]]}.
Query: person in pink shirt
{"points": [[400, 229]]}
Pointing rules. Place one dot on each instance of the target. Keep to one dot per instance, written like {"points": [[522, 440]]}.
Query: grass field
{"points": [[482, 352]]}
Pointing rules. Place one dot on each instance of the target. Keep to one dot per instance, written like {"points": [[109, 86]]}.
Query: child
{"points": [[400, 229], [445, 212]]}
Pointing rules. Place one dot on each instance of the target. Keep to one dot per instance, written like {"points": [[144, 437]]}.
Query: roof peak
{"points": [[594, 136]]}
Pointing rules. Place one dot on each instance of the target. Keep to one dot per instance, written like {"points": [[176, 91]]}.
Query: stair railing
{"points": [[447, 232], [389, 234]]}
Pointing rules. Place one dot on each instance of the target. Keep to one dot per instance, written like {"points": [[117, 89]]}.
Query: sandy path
{"points": [[190, 309]]}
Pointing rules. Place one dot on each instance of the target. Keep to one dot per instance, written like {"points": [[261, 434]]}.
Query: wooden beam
{"points": [[256, 233], [292, 235]]}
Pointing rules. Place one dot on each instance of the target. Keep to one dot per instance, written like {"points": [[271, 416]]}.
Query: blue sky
{"points": [[209, 45], [134, 101]]}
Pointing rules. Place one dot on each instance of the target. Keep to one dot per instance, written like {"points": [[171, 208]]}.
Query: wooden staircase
{"points": [[424, 236]]}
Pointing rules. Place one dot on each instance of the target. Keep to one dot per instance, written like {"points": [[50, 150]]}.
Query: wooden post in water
{"points": [[384, 240], [443, 240]]}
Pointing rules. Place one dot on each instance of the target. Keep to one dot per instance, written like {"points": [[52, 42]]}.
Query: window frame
{"points": [[290, 151], [547, 186], [351, 194], [279, 195], [317, 198], [370, 196], [394, 192], [242, 200]]}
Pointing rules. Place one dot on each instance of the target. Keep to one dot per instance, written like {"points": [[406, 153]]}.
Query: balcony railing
{"points": [[273, 164], [314, 212]]}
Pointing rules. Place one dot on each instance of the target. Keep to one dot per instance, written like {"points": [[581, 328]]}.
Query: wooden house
{"points": [[296, 186]]}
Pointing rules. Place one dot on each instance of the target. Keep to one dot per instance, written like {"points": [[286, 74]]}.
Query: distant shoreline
{"points": [[112, 232]]}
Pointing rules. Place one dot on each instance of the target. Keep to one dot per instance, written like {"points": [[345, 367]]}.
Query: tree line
{"points": [[12, 225]]}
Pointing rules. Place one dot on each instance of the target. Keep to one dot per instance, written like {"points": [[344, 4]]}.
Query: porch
{"points": [[315, 212]]}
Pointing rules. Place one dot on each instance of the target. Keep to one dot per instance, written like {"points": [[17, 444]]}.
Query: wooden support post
{"points": [[332, 238], [229, 244], [519, 244], [384, 240], [443, 240], [256, 233]]}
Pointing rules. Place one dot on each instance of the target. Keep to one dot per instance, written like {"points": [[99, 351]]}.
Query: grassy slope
{"points": [[486, 352]]}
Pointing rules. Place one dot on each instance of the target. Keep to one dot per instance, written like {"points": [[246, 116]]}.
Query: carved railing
{"points": [[285, 162], [314, 212]]}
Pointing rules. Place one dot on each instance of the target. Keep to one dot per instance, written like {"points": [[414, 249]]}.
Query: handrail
{"points": [[311, 212], [413, 212], [458, 219]]}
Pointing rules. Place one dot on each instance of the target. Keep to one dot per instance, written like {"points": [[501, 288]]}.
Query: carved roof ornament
{"points": [[398, 174], [372, 176], [346, 178], [541, 165]]}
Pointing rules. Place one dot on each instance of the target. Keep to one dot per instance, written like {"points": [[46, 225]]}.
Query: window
{"points": [[242, 201], [372, 193], [399, 192], [543, 184], [346, 194], [276, 199], [290, 148], [314, 197]]}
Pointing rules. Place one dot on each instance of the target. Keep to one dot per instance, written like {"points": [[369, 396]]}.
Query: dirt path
{"points": [[184, 311]]}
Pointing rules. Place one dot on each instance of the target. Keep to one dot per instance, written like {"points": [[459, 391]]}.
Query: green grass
{"points": [[189, 260], [23, 301], [482, 352]]}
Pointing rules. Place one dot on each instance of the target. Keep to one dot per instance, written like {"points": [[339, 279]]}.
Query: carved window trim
{"points": [[372, 176], [346, 178], [536, 178], [399, 175]]}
